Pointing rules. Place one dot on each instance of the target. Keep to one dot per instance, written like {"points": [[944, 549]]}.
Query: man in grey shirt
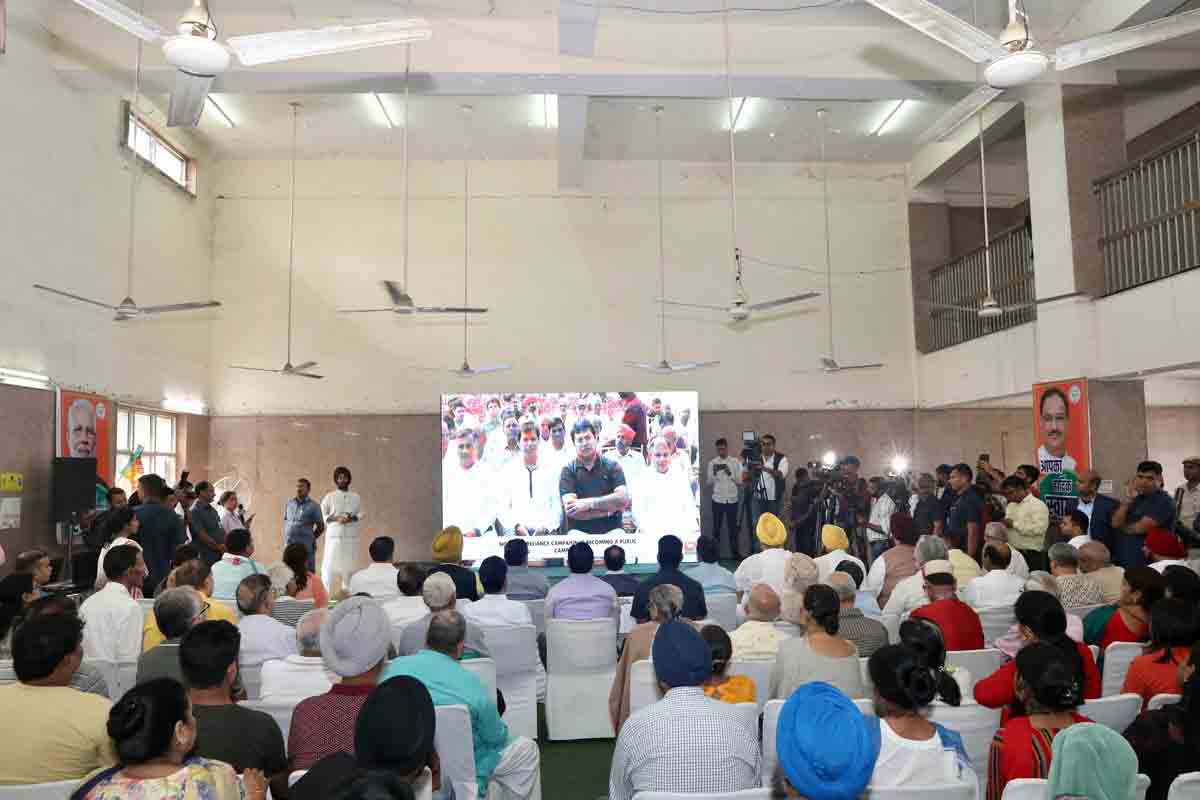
{"points": [[303, 521], [207, 533], [523, 584], [439, 595]]}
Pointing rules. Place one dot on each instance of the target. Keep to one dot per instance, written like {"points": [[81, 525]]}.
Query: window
{"points": [[158, 152], [154, 432]]}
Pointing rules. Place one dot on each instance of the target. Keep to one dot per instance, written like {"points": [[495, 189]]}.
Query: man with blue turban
{"points": [[826, 747], [685, 743]]}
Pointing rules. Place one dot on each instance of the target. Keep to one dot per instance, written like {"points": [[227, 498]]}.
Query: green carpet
{"points": [[573, 770]]}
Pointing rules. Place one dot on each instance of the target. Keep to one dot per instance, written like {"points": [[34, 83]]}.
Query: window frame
{"points": [[158, 140], [126, 448]]}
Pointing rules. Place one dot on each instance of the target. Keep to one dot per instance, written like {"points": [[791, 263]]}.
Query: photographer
{"points": [[724, 477], [805, 493], [767, 478]]}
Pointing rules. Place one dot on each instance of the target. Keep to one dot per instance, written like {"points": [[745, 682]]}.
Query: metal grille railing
{"points": [[963, 282], [1149, 216]]}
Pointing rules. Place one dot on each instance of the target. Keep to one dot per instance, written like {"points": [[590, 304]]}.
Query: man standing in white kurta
{"points": [[342, 510]]}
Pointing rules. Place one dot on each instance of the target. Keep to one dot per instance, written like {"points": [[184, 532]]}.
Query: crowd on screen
{"points": [[902, 572]]}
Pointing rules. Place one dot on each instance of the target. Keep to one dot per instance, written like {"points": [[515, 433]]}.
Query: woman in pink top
{"points": [[304, 585]]}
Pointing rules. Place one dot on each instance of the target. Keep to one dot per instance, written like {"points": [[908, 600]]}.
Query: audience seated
{"points": [[615, 575], [1096, 562], [834, 544], [799, 574], [494, 608], [378, 578], [959, 623], [911, 747], [198, 575], [354, 647], [36, 564], [55, 733], [897, 563], [826, 747], [1073, 527], [1047, 687], [966, 569], [236, 563], [123, 529], [393, 743], [864, 601], [505, 766], [16, 595], [711, 576], [88, 677], [1182, 583], [1039, 581], [154, 729], [1172, 634], [996, 533], [524, 583], [720, 685], [868, 635], [820, 654], [717, 753], [408, 605], [263, 636], [909, 593], [1092, 761], [1163, 548], [925, 639], [581, 595], [113, 619], [176, 611], [666, 601], [438, 593], [447, 551], [1040, 618], [1167, 740], [768, 565], [242, 737], [1129, 619], [670, 555], [304, 583], [757, 639], [997, 587], [301, 674], [1074, 589]]}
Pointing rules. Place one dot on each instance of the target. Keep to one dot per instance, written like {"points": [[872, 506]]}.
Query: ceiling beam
{"points": [[572, 137], [1101, 16], [576, 29]]}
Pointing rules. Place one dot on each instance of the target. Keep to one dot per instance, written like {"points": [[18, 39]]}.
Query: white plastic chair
{"points": [[537, 610], [745, 794], [39, 791], [485, 669], [423, 786], [1095, 653], [757, 671], [280, 712], [788, 629], [979, 663], [1114, 712], [1035, 789], [722, 608], [947, 791], [996, 623], [976, 725], [252, 681], [121, 676], [147, 606], [514, 650], [892, 623], [1185, 787], [1162, 700], [581, 660], [643, 685], [770, 727], [627, 621], [1117, 658], [866, 705], [456, 749]]}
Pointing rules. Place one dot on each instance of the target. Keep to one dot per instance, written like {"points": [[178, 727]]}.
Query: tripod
{"points": [[757, 492]]}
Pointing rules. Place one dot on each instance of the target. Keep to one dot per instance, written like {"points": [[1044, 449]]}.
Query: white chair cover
{"points": [[976, 725], [892, 623], [770, 727], [866, 705], [722, 608], [121, 676], [1161, 700], [745, 794], [1083, 611], [1035, 789], [979, 663], [948, 791], [757, 671], [280, 712], [1114, 712], [1095, 653], [996, 623], [514, 649], [1141, 786], [39, 791], [456, 749], [1117, 658], [6, 666], [1185, 787], [252, 680], [147, 605], [643, 685], [627, 621], [485, 668], [788, 629], [423, 785], [295, 776], [581, 661], [537, 610]]}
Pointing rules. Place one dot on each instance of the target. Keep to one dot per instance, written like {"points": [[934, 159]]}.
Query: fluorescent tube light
{"points": [[890, 118], [221, 115]]}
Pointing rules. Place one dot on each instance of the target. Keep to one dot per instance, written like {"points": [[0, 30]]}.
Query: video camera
{"points": [[751, 451]]}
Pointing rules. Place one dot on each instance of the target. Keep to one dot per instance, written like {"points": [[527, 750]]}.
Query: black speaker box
{"points": [[72, 487]]}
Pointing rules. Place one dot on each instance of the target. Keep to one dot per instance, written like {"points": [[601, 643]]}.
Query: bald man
{"points": [[867, 634], [1096, 561], [757, 638]]}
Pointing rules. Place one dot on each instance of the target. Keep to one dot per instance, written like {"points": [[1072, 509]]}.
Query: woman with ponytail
{"points": [[719, 686], [154, 733], [912, 750], [820, 654], [925, 637], [1048, 688]]}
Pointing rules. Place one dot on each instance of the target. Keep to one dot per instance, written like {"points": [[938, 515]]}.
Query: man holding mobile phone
{"points": [[724, 477]]}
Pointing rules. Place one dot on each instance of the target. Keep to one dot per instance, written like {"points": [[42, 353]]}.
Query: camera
{"points": [[751, 451]]}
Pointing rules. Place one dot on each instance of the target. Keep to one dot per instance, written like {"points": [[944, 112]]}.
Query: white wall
{"points": [[570, 279], [64, 188]]}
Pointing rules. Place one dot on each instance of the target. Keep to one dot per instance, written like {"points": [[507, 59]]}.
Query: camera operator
{"points": [[805, 493], [767, 479], [724, 477]]}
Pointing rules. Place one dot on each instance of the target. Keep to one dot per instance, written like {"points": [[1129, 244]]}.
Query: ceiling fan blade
{"points": [[124, 17], [949, 307], [448, 310], [491, 368], [187, 99], [253, 369], [857, 366], [1095, 48], [74, 297], [642, 365], [937, 23], [700, 306], [306, 375], [365, 310], [688, 366], [783, 301], [271, 48], [1053, 299], [958, 114], [393, 290], [303, 366], [178, 307]]}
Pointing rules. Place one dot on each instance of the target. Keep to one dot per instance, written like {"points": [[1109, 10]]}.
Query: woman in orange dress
{"points": [[1172, 633], [305, 584], [719, 686]]}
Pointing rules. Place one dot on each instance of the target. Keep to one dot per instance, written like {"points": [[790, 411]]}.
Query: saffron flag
{"points": [[133, 469]]}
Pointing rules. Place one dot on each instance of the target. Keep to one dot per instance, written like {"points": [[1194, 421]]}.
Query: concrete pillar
{"points": [[929, 248], [1117, 413]]}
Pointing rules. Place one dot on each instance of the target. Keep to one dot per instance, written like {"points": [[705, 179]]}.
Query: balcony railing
{"points": [[1149, 216], [963, 282]]}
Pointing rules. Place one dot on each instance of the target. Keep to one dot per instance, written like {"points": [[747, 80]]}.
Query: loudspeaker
{"points": [[72, 487]]}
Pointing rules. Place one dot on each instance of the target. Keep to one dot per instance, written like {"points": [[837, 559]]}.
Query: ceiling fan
{"points": [[402, 303], [199, 58], [663, 366], [1012, 58], [127, 309], [739, 308], [296, 370]]}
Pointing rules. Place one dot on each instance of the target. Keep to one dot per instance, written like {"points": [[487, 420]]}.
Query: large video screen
{"points": [[557, 468]]}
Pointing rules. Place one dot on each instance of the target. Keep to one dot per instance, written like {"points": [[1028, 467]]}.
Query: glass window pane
{"points": [[131, 133], [143, 432], [167, 464], [145, 144], [123, 430], [164, 435]]}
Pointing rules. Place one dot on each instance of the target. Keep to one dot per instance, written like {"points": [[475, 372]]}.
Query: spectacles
{"points": [[203, 610]]}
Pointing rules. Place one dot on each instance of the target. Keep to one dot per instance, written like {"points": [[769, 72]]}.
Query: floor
{"points": [[573, 770]]}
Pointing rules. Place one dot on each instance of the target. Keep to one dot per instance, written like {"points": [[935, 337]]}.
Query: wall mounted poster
{"points": [[85, 429], [1064, 439]]}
